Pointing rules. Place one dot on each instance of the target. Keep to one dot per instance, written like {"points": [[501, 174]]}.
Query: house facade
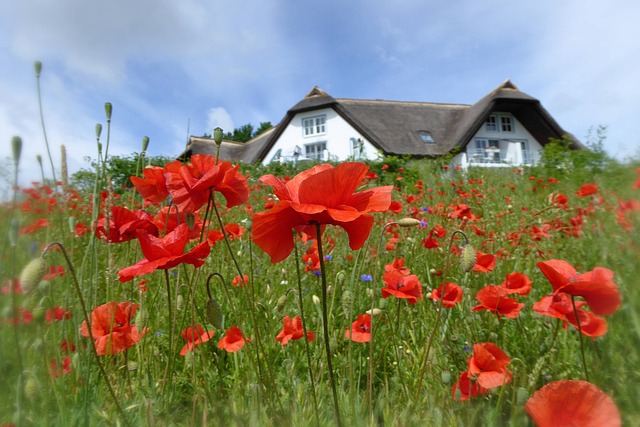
{"points": [[503, 129]]}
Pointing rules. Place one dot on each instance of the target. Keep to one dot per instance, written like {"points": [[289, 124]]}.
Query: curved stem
{"points": [[85, 313], [325, 325]]}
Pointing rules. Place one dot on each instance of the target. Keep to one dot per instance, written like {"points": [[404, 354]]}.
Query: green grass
{"points": [[266, 384]]}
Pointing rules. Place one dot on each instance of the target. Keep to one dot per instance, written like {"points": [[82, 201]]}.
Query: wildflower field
{"points": [[392, 293]]}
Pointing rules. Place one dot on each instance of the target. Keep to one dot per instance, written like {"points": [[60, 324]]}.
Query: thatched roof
{"points": [[394, 126]]}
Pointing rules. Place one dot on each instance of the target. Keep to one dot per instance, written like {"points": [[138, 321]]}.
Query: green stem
{"points": [[44, 132], [167, 374], [85, 313], [325, 326], [584, 360], [306, 341]]}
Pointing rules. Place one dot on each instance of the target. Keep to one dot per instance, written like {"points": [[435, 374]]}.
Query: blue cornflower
{"points": [[366, 278]]}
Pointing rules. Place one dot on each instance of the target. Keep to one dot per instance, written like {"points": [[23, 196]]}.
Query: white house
{"points": [[505, 128]]}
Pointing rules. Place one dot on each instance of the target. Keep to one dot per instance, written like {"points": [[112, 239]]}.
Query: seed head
{"points": [[145, 143], [98, 130], [108, 109], [38, 68], [16, 146], [217, 135]]}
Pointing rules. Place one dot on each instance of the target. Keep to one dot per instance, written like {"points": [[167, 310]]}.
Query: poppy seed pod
{"points": [[467, 258], [39, 159], [16, 146], [98, 130], [32, 274], [217, 135], [408, 222], [281, 303], [145, 143], [190, 219], [38, 68], [108, 109], [214, 313]]}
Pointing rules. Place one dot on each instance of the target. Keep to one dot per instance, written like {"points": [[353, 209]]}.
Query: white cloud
{"points": [[219, 117]]}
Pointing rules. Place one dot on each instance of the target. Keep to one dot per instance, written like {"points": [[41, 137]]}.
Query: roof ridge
{"points": [[404, 102]]}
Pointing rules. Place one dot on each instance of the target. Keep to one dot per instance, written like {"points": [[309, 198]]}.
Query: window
{"points": [[506, 124], [426, 137], [499, 122], [526, 158], [277, 155], [491, 125], [314, 125], [487, 151], [315, 151]]}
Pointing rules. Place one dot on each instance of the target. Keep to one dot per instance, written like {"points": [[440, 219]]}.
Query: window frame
{"points": [[315, 153], [314, 125]]}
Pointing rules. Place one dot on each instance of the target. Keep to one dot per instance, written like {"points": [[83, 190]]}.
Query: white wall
{"points": [[338, 137]]}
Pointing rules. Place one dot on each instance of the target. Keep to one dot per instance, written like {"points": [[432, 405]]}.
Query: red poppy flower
{"points": [[401, 286], [360, 329], [153, 187], [559, 306], [234, 231], [587, 190], [111, 328], [484, 262], [496, 300], [395, 207], [397, 265], [596, 286], [195, 335], [191, 184], [232, 340], [489, 365], [467, 388], [168, 218], [237, 281], [34, 226], [292, 330], [572, 403], [54, 271], [323, 195], [124, 225], [452, 294], [57, 371], [165, 253], [57, 313], [517, 283]]}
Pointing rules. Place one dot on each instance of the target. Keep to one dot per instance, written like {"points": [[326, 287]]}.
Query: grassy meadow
{"points": [[400, 366]]}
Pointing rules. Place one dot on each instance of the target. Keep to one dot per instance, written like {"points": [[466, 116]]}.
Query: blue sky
{"points": [[176, 67]]}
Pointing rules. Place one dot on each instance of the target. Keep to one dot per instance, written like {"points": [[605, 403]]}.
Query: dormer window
{"points": [[426, 137], [506, 124], [314, 125], [491, 125]]}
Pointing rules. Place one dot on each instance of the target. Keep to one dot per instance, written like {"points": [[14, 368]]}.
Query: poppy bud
{"points": [[467, 258], [145, 143], [374, 312], [458, 394], [188, 359], [16, 146], [98, 130], [445, 376], [190, 219], [217, 135], [72, 224], [214, 313], [44, 287], [132, 366], [179, 302], [408, 222], [281, 303], [38, 67], [315, 299], [32, 274], [347, 300], [31, 389], [522, 395], [108, 109]]}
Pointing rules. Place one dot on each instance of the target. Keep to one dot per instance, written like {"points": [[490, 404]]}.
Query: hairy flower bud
{"points": [[214, 313], [467, 258], [347, 300], [16, 146], [408, 222], [64, 171], [31, 389], [282, 301], [32, 274]]}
